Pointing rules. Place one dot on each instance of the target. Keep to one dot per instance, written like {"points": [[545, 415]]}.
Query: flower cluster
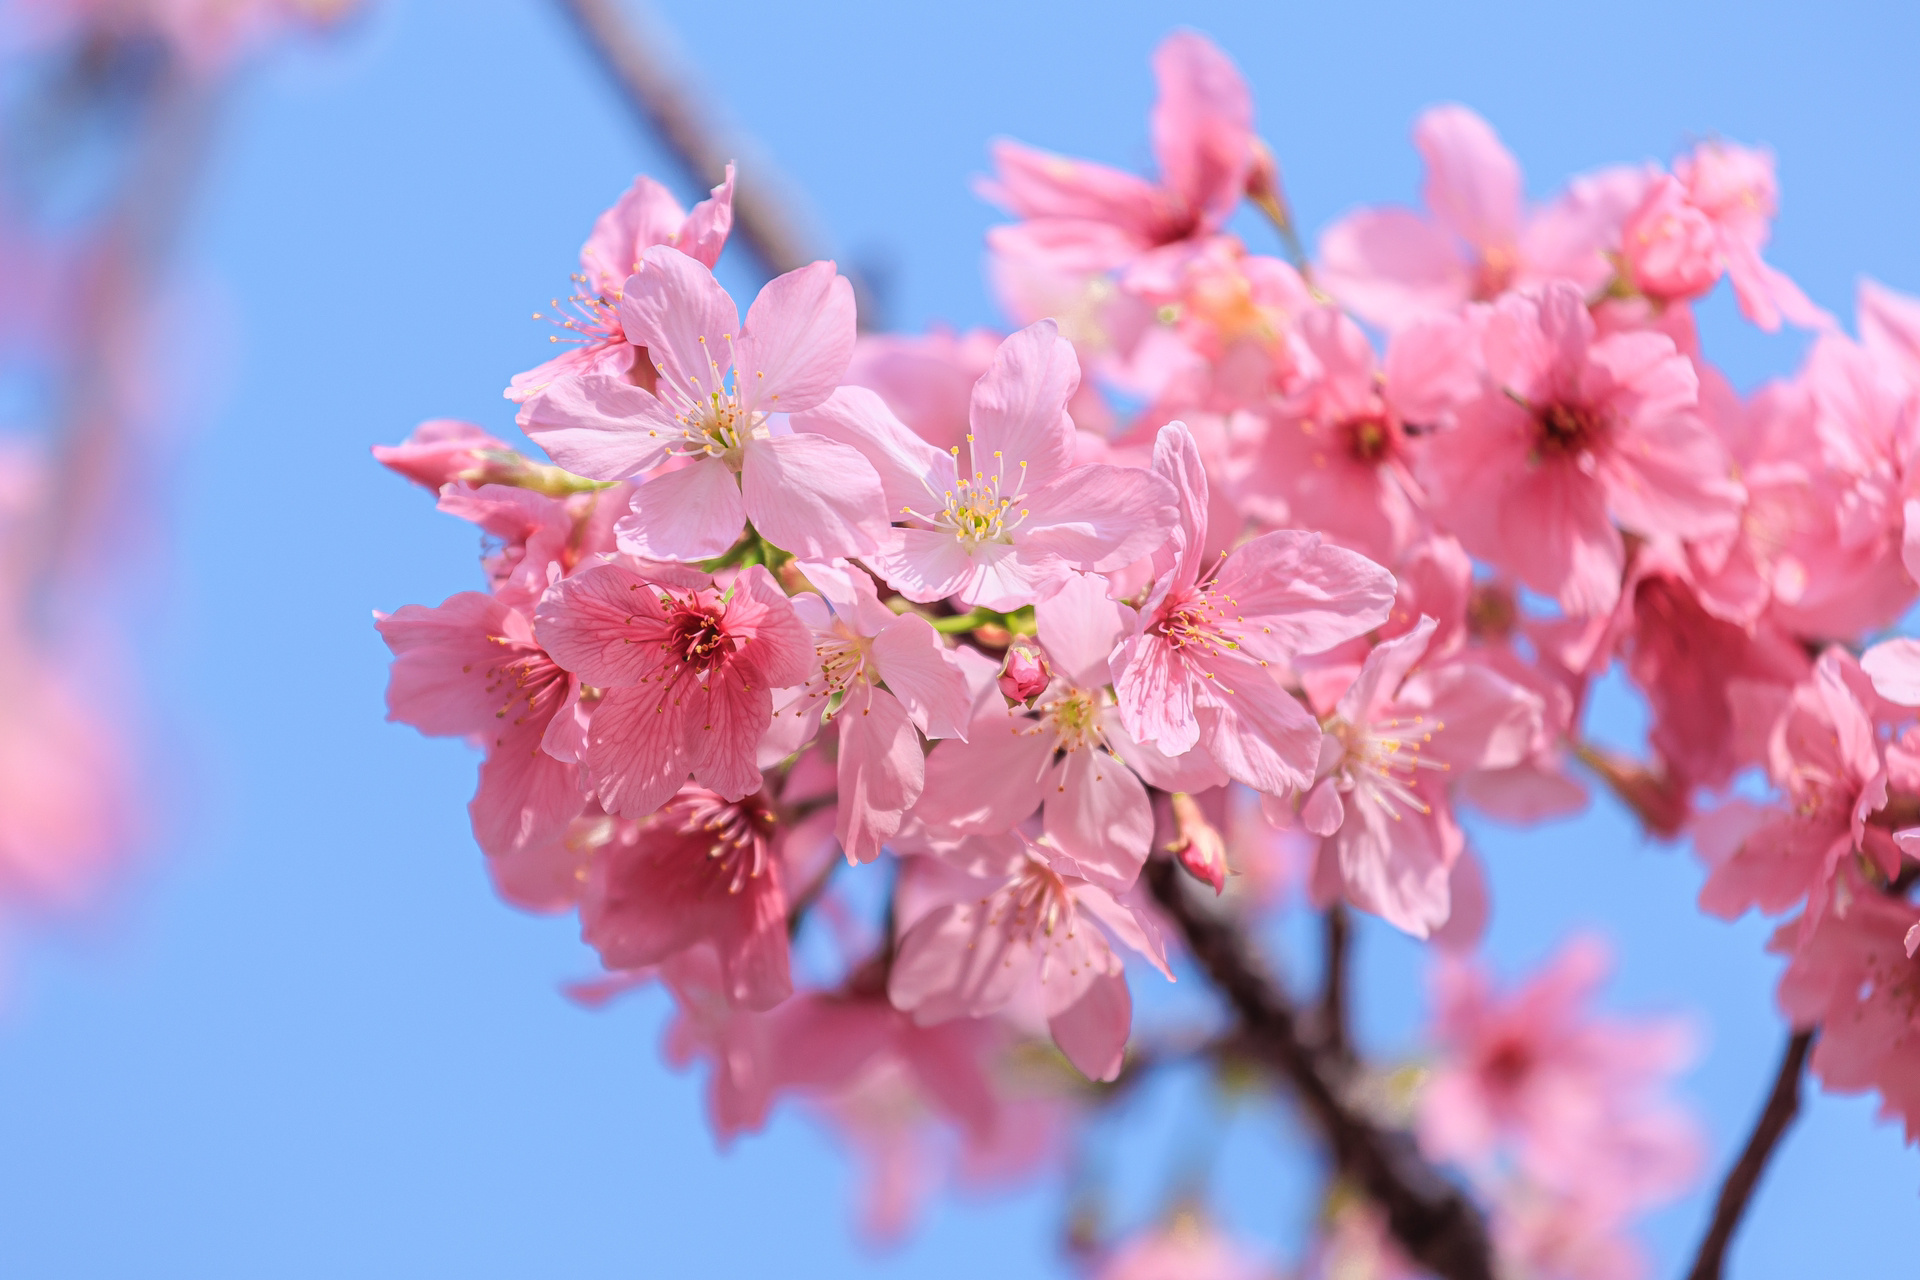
{"points": [[1216, 552]]}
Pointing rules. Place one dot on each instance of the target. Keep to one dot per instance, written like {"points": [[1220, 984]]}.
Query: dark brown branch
{"points": [[1782, 1105], [1430, 1218], [1337, 943], [666, 104]]}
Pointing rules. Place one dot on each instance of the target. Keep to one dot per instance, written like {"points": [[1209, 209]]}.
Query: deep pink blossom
{"points": [[645, 215], [704, 871], [710, 409], [1734, 188], [471, 668], [1013, 523], [1199, 668], [1083, 217], [688, 674], [1571, 437], [1030, 930]]}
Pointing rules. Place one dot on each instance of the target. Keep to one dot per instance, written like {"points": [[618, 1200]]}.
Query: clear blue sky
{"points": [[310, 1043]]}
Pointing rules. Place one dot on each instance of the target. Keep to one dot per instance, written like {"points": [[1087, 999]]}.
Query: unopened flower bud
{"points": [[1263, 174], [1198, 845], [1025, 677], [440, 451]]}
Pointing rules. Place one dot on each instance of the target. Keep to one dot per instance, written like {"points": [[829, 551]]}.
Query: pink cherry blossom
{"points": [[1577, 1099], [1032, 929], [888, 679], [1380, 799], [1478, 240], [1198, 668], [1060, 758], [715, 390], [1825, 757], [1855, 977], [1012, 526], [1083, 217], [1734, 188], [688, 674], [925, 379], [1187, 1248], [645, 215], [1569, 434], [439, 451]]}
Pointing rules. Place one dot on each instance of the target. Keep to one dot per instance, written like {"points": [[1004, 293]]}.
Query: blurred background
{"points": [[297, 1035]]}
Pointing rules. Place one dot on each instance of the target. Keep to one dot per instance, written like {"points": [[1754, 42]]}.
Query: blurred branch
{"points": [[1735, 1193], [630, 48], [1337, 945], [1430, 1218]]}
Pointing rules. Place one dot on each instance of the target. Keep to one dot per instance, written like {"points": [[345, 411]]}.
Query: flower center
{"points": [[736, 833], [528, 683], [1565, 430], [1074, 719], [697, 634], [979, 508], [1380, 762], [1370, 439], [1038, 906]]}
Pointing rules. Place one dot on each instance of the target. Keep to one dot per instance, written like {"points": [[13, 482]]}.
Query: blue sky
{"points": [[308, 1042]]}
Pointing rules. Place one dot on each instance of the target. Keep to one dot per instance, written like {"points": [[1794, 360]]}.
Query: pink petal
{"points": [[1007, 577], [923, 565], [813, 497], [526, 797], [991, 782], [723, 721], [1473, 182], [1093, 1031], [882, 771], [1192, 770], [958, 961], [1099, 517], [1295, 594], [922, 673], [1202, 125], [589, 624], [645, 214], [676, 310], [1392, 267], [1323, 812], [1894, 668], [1259, 732], [1041, 185], [637, 755], [693, 513], [1381, 675], [704, 234], [781, 648], [599, 426], [906, 464], [798, 341], [1176, 459], [444, 660], [1155, 693], [1080, 626], [1910, 538], [1019, 409], [1097, 813], [1481, 719]]}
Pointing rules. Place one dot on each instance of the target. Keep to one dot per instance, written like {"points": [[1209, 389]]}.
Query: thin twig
{"points": [[1735, 1193], [629, 51], [1430, 1218]]}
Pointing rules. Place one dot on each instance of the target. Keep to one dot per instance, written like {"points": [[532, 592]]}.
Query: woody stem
{"points": [[1783, 1103]]}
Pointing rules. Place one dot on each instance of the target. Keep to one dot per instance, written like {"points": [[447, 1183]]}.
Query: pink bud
{"points": [[1671, 249], [1202, 853], [438, 452], [1025, 677]]}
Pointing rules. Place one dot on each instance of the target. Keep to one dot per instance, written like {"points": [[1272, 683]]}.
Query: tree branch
{"points": [[1337, 944], [1430, 1218], [629, 52], [1782, 1105]]}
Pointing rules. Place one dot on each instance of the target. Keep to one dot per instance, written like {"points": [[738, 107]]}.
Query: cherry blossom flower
{"points": [[688, 674], [704, 871], [1082, 217], [1478, 240], [1060, 757], [1012, 527], [715, 389], [644, 216], [1198, 668], [472, 668], [926, 379], [860, 646], [1854, 975], [1570, 433], [441, 451], [1576, 1098], [1031, 930], [1380, 799], [1734, 188]]}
